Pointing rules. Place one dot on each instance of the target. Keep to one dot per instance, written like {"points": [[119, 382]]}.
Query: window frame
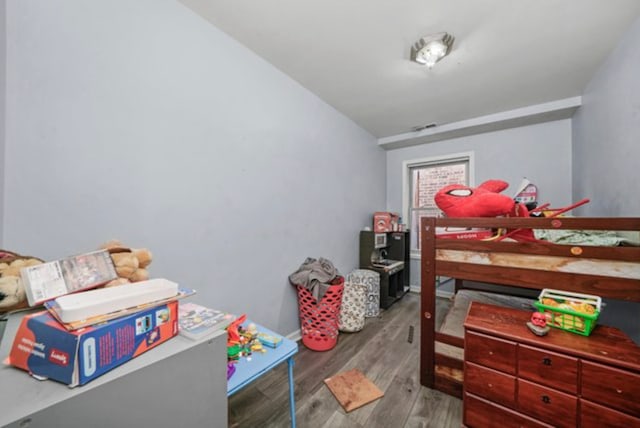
{"points": [[409, 165]]}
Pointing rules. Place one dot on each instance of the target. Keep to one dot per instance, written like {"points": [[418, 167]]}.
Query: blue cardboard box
{"points": [[46, 349]]}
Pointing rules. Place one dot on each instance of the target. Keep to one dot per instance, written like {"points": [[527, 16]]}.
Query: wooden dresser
{"points": [[513, 378]]}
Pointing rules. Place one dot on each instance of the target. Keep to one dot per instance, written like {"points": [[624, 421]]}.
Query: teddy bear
{"points": [[12, 293], [130, 263]]}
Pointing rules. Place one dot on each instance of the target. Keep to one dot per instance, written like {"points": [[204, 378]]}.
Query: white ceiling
{"points": [[354, 54]]}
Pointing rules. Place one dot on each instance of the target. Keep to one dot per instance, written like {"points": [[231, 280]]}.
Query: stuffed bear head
{"points": [[130, 263], [12, 293]]}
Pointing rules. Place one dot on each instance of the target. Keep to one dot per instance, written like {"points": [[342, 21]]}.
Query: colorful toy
{"points": [[231, 369], [268, 340], [538, 324], [233, 352], [233, 336]]}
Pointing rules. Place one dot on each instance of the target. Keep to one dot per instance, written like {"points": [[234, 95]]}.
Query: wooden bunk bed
{"points": [[609, 272]]}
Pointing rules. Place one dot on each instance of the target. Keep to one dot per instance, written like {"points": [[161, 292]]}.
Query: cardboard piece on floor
{"points": [[352, 389]]}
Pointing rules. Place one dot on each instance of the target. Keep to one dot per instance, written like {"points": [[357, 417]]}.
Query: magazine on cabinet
{"points": [[53, 279], [196, 321]]}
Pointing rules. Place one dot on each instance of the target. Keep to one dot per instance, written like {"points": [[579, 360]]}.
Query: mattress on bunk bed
{"points": [[600, 238], [454, 320]]}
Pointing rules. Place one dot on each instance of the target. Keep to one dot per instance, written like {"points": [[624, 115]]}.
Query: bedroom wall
{"points": [[541, 152], [141, 121], [3, 84], [606, 132]]}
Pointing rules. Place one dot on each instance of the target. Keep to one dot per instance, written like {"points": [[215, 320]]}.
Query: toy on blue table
{"points": [[269, 340], [233, 335], [231, 369], [241, 341]]}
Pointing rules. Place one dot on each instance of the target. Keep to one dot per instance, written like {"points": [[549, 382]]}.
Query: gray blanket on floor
{"points": [[315, 276]]}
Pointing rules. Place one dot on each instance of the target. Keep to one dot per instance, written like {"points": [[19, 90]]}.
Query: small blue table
{"points": [[261, 363]]}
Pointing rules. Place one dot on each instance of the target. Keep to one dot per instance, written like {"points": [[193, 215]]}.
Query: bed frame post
{"points": [[459, 285], [427, 301]]}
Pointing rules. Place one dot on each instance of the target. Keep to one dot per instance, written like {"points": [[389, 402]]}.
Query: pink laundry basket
{"points": [[319, 320]]}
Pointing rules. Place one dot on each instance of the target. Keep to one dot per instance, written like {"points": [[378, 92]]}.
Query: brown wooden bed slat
{"points": [[450, 373], [612, 287], [569, 223], [630, 254], [436, 370], [449, 339]]}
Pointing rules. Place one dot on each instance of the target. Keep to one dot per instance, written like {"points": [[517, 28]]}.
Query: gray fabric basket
{"points": [[353, 307], [371, 280]]}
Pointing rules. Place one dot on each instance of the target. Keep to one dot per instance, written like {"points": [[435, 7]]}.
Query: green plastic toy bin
{"points": [[560, 308]]}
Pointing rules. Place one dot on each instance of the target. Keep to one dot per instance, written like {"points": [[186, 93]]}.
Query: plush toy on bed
{"points": [[458, 200]]}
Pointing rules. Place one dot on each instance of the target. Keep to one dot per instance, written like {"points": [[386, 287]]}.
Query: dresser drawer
{"points": [[548, 368], [595, 416], [491, 384], [548, 405], [619, 389], [490, 352], [480, 413]]}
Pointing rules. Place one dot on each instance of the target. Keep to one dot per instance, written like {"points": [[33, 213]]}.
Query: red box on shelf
{"points": [[384, 221]]}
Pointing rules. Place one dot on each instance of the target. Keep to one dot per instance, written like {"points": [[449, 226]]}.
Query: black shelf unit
{"points": [[394, 282]]}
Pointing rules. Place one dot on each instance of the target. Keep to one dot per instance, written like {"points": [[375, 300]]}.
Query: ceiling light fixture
{"points": [[431, 49]]}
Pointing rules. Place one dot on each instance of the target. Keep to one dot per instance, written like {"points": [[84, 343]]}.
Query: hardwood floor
{"points": [[382, 352]]}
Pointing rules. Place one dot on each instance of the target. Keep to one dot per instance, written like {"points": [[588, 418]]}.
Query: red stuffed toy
{"points": [[458, 200]]}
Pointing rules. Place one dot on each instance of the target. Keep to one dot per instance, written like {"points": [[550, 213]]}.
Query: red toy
{"points": [[539, 319], [538, 324], [458, 200], [233, 337]]}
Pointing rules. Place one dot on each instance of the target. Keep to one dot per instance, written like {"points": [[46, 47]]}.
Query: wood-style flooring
{"points": [[383, 352]]}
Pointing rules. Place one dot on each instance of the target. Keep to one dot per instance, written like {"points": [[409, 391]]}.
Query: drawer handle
{"points": [[546, 361], [619, 391], [546, 399]]}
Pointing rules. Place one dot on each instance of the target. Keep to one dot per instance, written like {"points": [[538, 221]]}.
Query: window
{"points": [[422, 179]]}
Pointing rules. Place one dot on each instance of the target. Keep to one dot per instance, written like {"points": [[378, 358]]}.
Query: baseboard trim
{"points": [[439, 293], [295, 336], [445, 294]]}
